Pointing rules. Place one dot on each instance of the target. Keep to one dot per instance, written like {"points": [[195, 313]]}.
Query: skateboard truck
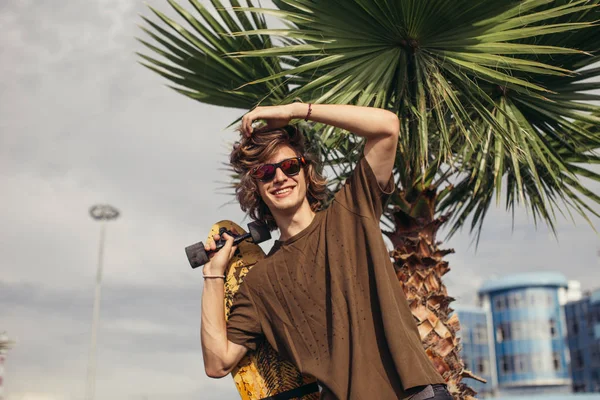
{"points": [[197, 254]]}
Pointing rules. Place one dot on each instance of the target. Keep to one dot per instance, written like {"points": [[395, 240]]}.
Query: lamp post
{"points": [[5, 345], [102, 213]]}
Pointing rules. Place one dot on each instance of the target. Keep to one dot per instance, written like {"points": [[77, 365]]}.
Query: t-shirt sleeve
{"points": [[243, 325], [362, 194]]}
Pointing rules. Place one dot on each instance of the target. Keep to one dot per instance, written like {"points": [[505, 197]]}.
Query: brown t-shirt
{"points": [[328, 299]]}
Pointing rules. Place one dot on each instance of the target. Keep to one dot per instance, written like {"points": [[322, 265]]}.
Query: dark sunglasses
{"points": [[289, 166]]}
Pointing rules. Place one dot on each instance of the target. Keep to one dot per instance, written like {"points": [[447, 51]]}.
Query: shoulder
{"points": [[362, 194], [257, 272]]}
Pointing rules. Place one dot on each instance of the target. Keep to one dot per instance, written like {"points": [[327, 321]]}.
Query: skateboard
{"points": [[261, 374]]}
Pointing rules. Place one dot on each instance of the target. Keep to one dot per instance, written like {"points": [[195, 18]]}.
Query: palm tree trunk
{"points": [[420, 265]]}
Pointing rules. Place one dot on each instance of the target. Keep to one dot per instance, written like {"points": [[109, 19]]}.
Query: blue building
{"points": [[583, 324], [476, 350], [528, 331]]}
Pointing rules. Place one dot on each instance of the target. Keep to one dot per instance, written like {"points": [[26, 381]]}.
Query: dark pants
{"points": [[431, 392]]}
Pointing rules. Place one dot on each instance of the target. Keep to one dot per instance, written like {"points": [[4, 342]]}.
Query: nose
{"points": [[279, 175]]}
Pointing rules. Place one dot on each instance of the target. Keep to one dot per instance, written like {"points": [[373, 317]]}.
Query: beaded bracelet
{"points": [[213, 276], [309, 111]]}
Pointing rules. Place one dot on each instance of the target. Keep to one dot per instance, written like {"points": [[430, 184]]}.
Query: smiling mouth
{"points": [[282, 191]]}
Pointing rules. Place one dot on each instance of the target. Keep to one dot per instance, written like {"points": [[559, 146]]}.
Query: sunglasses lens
{"points": [[291, 166], [265, 172]]}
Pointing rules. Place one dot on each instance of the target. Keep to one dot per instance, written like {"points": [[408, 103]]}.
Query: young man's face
{"points": [[284, 194]]}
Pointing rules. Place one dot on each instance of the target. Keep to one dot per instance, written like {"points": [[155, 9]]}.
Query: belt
{"points": [[426, 393]]}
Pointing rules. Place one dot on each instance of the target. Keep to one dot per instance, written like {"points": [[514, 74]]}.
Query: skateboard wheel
{"points": [[196, 255], [259, 232]]}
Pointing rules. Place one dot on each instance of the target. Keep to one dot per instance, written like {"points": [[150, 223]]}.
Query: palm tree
{"points": [[494, 99]]}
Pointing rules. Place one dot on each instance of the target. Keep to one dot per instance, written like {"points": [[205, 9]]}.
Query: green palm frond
{"points": [[545, 176], [194, 57], [558, 134]]}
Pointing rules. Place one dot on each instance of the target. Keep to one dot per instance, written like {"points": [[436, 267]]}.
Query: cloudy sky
{"points": [[82, 123]]}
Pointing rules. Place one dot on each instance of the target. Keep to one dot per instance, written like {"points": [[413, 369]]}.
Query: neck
{"points": [[293, 223]]}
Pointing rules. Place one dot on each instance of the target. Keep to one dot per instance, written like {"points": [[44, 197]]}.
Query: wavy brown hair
{"points": [[252, 151]]}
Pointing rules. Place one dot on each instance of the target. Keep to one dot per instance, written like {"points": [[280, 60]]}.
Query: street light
{"points": [[103, 213], [5, 345]]}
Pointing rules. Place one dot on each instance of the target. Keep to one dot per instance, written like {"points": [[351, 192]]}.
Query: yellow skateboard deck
{"points": [[261, 374]]}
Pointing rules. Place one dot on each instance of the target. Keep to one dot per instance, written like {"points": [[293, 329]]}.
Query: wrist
{"points": [[213, 271], [299, 110], [222, 278]]}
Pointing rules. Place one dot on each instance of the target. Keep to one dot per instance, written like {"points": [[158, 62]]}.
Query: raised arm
{"points": [[379, 127]]}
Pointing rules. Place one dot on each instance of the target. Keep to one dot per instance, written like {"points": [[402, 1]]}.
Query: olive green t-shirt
{"points": [[328, 299]]}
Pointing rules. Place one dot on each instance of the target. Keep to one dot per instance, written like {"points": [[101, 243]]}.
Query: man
{"points": [[326, 297]]}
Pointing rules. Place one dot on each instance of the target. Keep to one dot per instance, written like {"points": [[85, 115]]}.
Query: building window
{"points": [[499, 301], [577, 359], [517, 331], [556, 361], [510, 300], [507, 364], [503, 332], [553, 330], [480, 334], [575, 327], [532, 298], [516, 300], [482, 366], [520, 363]]}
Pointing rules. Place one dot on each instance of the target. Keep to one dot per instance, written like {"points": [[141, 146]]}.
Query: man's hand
{"points": [[220, 259], [274, 116]]}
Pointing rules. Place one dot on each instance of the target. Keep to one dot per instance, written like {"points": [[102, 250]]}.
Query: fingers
{"points": [[211, 245], [250, 117], [228, 247], [219, 260], [247, 121], [228, 241], [244, 125]]}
